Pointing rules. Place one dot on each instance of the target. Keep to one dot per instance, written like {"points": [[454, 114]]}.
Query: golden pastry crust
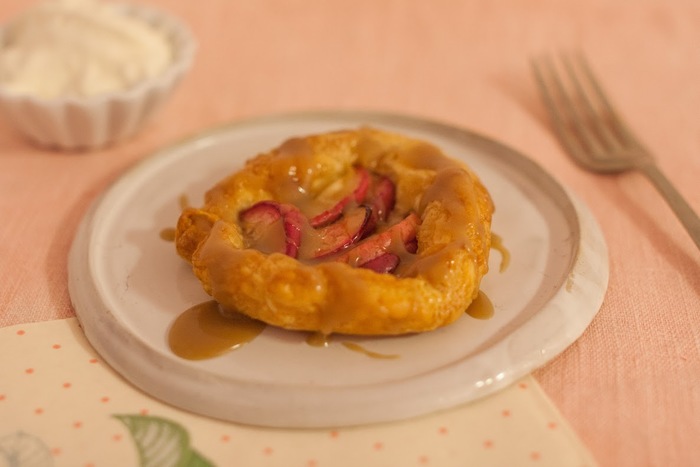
{"points": [[441, 199]]}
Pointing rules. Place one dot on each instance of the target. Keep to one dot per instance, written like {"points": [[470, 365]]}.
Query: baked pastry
{"points": [[356, 232]]}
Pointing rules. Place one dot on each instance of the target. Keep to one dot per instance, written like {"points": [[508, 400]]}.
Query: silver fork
{"points": [[594, 134]]}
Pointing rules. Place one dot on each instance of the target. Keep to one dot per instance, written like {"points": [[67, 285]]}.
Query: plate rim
{"points": [[96, 325]]}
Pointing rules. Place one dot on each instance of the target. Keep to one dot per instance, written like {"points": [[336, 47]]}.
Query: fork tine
{"points": [[627, 154], [570, 142], [583, 117], [606, 139], [614, 118]]}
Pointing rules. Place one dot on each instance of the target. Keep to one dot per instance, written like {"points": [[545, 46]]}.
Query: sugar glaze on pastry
{"points": [[357, 231]]}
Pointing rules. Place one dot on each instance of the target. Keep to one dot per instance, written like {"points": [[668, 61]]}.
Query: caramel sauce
{"points": [[497, 244], [331, 193], [358, 348], [318, 339], [481, 307], [205, 331], [425, 156], [268, 239], [434, 185], [292, 170], [167, 234]]}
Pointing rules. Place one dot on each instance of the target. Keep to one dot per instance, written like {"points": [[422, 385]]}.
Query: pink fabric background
{"points": [[631, 385]]}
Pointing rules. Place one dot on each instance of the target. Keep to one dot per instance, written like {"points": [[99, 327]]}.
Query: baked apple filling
{"points": [[354, 230], [358, 232]]}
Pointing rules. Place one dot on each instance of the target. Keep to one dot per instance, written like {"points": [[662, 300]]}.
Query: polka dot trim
{"points": [[51, 385]]}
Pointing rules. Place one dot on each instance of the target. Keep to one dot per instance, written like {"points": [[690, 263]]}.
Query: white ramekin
{"points": [[84, 123]]}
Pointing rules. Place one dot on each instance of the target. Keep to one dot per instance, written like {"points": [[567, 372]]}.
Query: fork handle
{"points": [[680, 206]]}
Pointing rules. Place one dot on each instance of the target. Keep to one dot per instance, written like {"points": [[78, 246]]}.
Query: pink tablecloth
{"points": [[630, 387]]}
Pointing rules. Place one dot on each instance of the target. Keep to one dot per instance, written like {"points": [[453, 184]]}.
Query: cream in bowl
{"points": [[85, 74]]}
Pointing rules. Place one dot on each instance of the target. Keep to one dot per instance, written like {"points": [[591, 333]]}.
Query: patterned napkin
{"points": [[60, 405]]}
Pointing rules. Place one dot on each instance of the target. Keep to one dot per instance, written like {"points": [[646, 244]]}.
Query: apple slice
{"points": [[358, 195], [383, 264], [350, 228], [412, 245], [378, 244], [262, 213], [293, 222], [383, 198], [258, 223]]}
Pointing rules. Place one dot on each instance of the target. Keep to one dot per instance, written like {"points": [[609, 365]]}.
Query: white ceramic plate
{"points": [[128, 285]]}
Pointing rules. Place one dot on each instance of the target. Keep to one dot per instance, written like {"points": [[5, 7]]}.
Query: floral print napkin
{"points": [[61, 405]]}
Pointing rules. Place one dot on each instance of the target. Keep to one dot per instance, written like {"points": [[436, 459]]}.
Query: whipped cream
{"points": [[80, 48]]}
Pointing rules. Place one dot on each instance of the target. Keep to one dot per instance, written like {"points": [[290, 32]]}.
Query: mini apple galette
{"points": [[355, 232]]}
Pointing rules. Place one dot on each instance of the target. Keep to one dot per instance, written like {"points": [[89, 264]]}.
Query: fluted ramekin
{"points": [[91, 122]]}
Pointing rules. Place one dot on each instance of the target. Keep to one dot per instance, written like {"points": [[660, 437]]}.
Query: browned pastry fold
{"points": [[438, 200]]}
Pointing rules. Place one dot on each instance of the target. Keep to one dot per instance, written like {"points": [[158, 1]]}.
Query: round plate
{"points": [[128, 285]]}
